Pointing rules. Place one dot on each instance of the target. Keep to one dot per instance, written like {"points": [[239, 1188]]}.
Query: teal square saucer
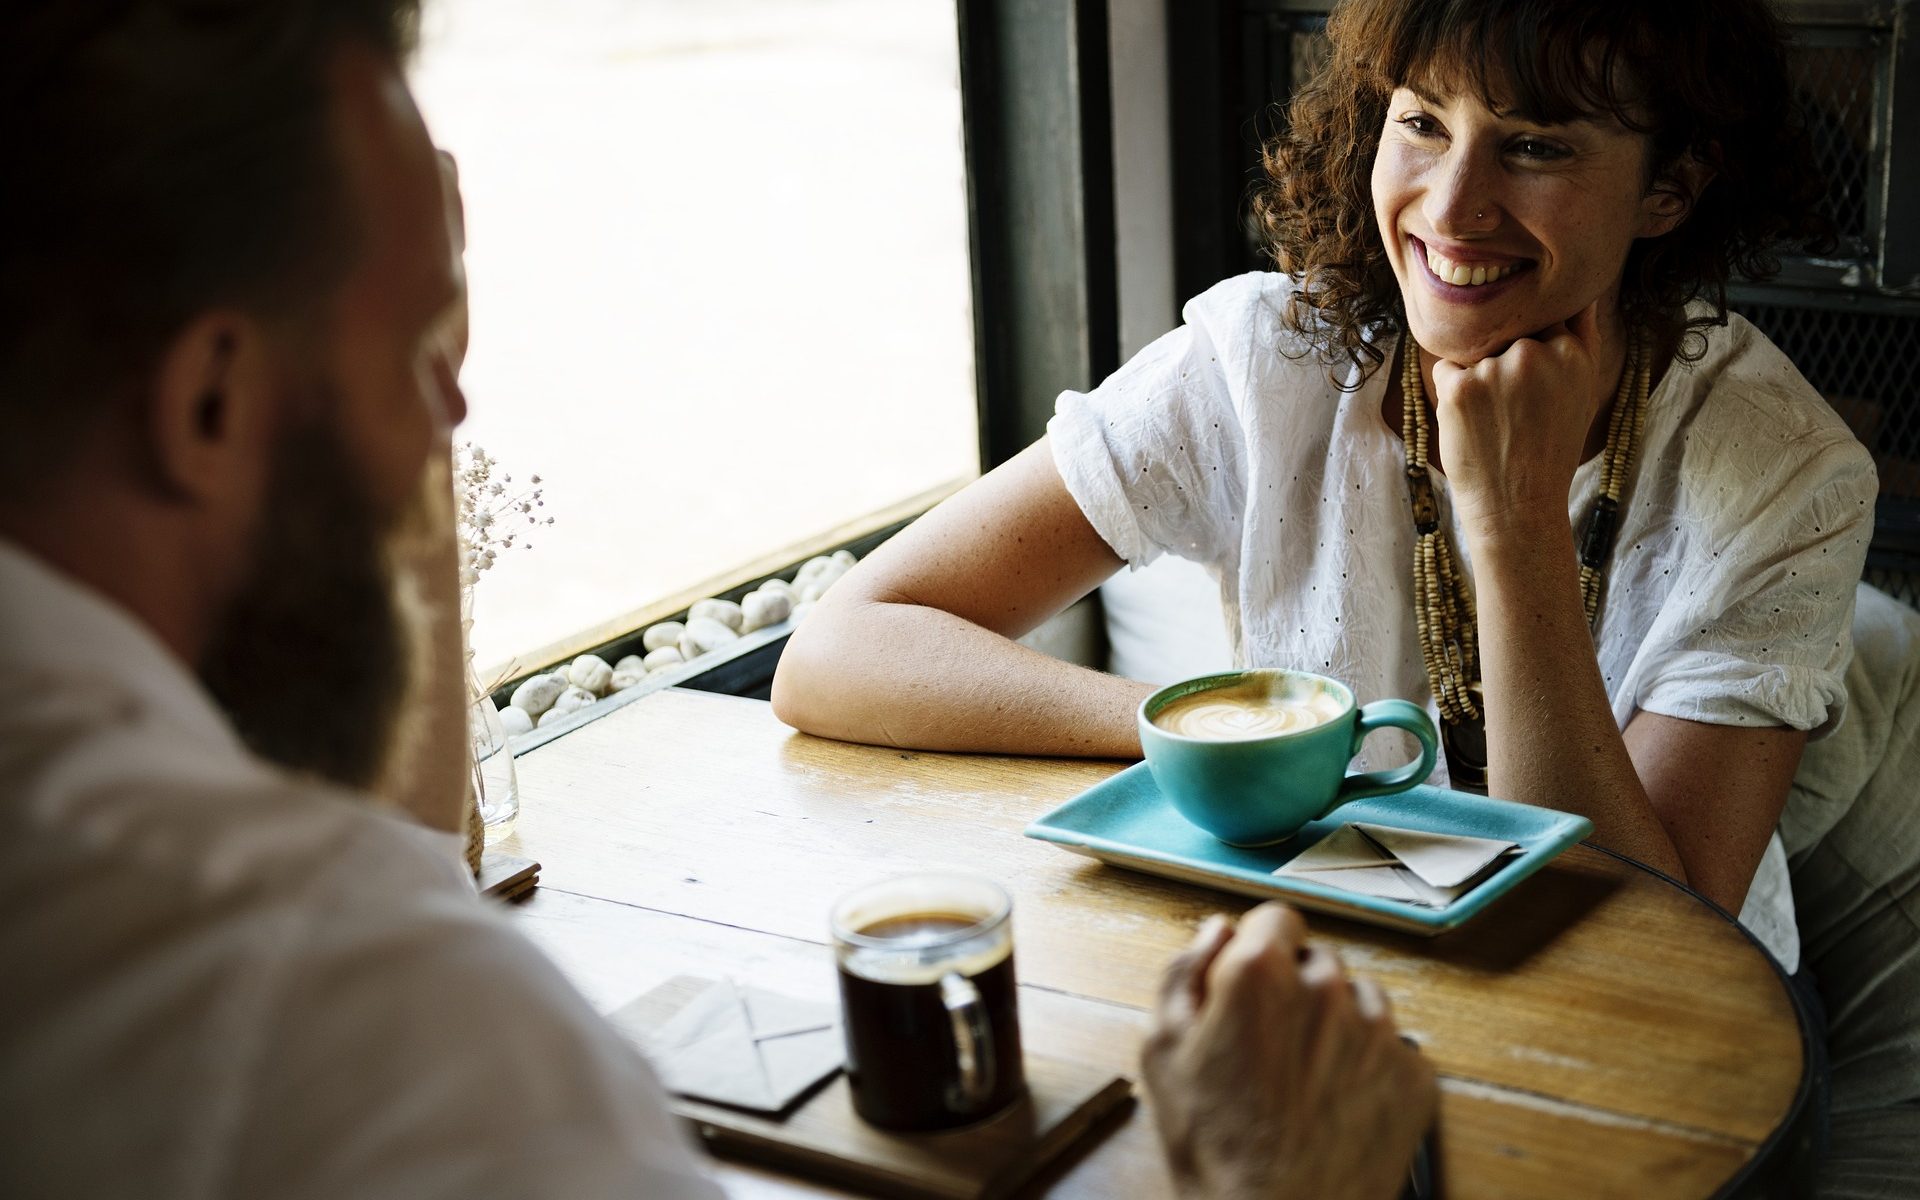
{"points": [[1125, 821]]}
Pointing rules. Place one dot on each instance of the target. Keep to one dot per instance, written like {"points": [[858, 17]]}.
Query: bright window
{"points": [[721, 292]]}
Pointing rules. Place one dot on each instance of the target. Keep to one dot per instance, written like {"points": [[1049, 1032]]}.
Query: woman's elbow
{"points": [[789, 693], [801, 681]]}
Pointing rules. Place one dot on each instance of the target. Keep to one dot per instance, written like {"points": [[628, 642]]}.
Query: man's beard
{"points": [[314, 659]]}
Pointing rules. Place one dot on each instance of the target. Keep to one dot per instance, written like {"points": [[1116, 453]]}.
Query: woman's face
{"points": [[1497, 226]]}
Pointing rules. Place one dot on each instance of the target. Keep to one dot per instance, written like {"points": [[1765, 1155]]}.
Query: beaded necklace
{"points": [[1443, 607]]}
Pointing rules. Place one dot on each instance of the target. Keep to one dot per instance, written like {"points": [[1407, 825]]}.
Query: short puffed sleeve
{"points": [[1758, 629], [1156, 455]]}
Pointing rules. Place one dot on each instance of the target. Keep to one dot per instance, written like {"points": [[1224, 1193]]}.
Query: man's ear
{"points": [[208, 407], [1672, 198]]}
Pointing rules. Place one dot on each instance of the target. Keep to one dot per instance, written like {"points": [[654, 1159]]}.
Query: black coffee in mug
{"points": [[928, 1002]]}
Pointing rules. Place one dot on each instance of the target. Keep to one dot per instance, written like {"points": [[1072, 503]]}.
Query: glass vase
{"points": [[496, 789]]}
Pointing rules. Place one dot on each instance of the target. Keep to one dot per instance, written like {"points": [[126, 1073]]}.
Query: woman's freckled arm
{"points": [[914, 647]]}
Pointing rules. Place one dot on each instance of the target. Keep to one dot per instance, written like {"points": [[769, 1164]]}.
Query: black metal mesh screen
{"points": [[1867, 365], [1835, 85]]}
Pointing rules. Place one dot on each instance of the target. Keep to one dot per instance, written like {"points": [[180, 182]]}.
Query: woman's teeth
{"points": [[1467, 274]]}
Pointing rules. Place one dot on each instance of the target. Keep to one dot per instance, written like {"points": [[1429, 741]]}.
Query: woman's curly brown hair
{"points": [[1701, 78]]}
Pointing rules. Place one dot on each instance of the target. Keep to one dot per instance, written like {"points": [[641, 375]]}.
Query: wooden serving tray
{"points": [[823, 1138]]}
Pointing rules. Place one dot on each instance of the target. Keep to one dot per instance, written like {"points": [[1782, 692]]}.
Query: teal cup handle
{"points": [[1389, 714]]}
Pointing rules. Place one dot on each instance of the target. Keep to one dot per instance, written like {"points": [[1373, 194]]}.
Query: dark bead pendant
{"points": [[1466, 746], [1465, 742]]}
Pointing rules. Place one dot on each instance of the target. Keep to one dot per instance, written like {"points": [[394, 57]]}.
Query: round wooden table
{"points": [[1601, 1031]]}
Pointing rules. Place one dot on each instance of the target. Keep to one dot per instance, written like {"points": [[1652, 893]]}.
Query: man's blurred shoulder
{"points": [[225, 978]]}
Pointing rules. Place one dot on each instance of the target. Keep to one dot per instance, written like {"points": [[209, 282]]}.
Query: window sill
{"points": [[726, 670]]}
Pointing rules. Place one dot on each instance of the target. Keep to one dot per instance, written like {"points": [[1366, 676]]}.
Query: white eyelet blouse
{"points": [[1730, 590]]}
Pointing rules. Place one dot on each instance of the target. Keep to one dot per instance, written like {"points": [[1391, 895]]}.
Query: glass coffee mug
{"points": [[927, 1001]]}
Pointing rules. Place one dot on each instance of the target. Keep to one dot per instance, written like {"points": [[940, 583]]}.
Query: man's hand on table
{"points": [[1273, 1074]]}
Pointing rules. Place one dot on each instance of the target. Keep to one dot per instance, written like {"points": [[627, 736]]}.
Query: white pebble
{"points": [[764, 609], [571, 701], [628, 677], [819, 581], [665, 657], [704, 634], [666, 633], [779, 586], [590, 673], [818, 586], [845, 558], [536, 695], [632, 662], [515, 721], [724, 611], [801, 610]]}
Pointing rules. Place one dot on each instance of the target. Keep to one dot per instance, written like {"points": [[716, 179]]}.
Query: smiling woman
{"points": [[1531, 210]]}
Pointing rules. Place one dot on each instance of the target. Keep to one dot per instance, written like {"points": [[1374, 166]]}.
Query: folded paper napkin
{"points": [[1409, 865], [746, 1047]]}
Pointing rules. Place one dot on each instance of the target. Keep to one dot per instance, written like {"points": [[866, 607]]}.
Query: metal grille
{"points": [[1867, 365], [1283, 52], [1834, 81]]}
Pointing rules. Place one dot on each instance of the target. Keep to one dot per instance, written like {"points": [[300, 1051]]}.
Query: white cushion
{"points": [[1852, 828], [1164, 622]]}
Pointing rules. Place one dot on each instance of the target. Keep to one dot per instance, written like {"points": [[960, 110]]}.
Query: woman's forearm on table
{"points": [[1551, 734], [917, 677]]}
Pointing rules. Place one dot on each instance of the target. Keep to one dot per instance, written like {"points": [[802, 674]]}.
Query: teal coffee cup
{"points": [[1251, 756]]}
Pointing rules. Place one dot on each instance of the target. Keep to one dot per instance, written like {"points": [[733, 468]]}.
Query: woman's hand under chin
{"points": [[1514, 427]]}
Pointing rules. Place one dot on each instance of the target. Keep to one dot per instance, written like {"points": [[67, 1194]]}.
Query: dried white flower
{"points": [[484, 502]]}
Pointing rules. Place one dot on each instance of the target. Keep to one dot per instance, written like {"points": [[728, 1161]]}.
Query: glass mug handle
{"points": [[972, 1042]]}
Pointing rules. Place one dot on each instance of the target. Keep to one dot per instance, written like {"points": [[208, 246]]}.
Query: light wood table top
{"points": [[1599, 1032]]}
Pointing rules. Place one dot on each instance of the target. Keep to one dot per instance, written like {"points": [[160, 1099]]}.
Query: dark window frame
{"points": [[1037, 105]]}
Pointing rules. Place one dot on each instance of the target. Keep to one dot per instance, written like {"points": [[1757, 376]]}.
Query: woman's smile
{"points": [[1464, 276]]}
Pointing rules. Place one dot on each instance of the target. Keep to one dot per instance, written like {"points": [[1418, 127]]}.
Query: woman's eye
{"points": [[1419, 124], [1538, 149]]}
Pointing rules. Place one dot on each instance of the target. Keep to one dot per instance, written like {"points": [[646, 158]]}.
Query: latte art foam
{"points": [[1247, 711]]}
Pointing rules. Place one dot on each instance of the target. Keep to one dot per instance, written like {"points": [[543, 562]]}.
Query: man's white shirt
{"points": [[218, 979]]}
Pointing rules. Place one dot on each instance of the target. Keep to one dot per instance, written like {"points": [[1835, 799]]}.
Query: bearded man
{"points": [[241, 956], [227, 352]]}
